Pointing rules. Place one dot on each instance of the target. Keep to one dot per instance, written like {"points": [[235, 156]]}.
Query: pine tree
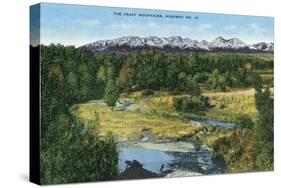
{"points": [[264, 130], [111, 94]]}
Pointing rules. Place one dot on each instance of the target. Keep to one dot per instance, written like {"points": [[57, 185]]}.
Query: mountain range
{"points": [[176, 44]]}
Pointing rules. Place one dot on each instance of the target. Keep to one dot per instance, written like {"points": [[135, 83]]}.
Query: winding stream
{"points": [[211, 122], [173, 158]]}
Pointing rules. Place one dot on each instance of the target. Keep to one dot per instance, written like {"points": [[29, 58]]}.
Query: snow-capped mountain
{"points": [[175, 43], [154, 41], [233, 43], [263, 46]]}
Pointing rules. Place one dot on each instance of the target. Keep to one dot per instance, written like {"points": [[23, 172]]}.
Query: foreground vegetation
{"points": [[250, 148], [71, 150]]}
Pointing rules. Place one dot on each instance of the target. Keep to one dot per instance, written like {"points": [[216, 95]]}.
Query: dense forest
{"points": [[71, 147]]}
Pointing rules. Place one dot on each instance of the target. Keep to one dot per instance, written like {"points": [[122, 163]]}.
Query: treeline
{"points": [[147, 69], [150, 70]]}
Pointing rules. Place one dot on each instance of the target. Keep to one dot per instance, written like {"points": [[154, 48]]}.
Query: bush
{"points": [[245, 122], [147, 92], [222, 106], [236, 151], [175, 92], [191, 104]]}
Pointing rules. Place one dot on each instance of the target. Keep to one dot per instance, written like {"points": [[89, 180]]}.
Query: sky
{"points": [[80, 24]]}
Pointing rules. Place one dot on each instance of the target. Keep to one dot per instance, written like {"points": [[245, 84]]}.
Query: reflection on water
{"points": [[152, 160], [149, 158]]}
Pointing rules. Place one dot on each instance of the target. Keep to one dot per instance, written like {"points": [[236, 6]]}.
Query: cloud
{"points": [[158, 29], [256, 28], [81, 31], [204, 26], [231, 27], [88, 23]]}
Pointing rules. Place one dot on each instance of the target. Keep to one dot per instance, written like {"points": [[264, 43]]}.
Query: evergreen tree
{"points": [[263, 130], [111, 94]]}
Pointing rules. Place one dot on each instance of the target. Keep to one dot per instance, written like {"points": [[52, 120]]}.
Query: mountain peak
{"points": [[222, 43], [220, 38], [237, 42]]}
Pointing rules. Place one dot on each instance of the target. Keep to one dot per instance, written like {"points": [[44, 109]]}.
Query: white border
{"points": [[14, 84]]}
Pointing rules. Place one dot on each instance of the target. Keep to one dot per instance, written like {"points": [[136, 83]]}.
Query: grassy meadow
{"points": [[129, 125]]}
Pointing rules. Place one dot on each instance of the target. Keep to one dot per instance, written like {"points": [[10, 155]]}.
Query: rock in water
{"points": [[135, 170]]}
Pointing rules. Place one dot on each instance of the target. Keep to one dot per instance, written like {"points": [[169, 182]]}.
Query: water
{"points": [[219, 124], [210, 122], [152, 159], [176, 156]]}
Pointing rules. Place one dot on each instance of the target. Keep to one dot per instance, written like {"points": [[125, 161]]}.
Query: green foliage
{"points": [[254, 150], [235, 152], [191, 104], [147, 92], [241, 79], [245, 122], [263, 130], [222, 147], [71, 150], [150, 70], [78, 155], [179, 74], [111, 94], [125, 74]]}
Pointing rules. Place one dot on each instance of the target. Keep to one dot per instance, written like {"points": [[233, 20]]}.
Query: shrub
{"points": [[245, 122], [147, 92], [222, 106], [191, 104]]}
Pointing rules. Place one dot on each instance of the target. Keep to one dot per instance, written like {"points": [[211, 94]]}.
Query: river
{"points": [[211, 122], [175, 158]]}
